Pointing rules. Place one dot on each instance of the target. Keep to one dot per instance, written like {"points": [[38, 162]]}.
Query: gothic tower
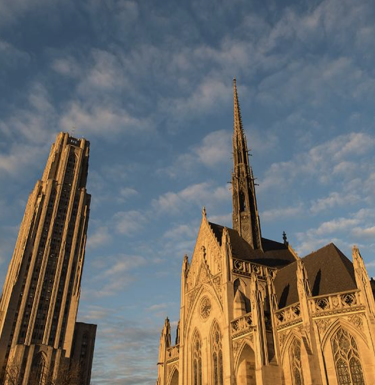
{"points": [[245, 211], [39, 303]]}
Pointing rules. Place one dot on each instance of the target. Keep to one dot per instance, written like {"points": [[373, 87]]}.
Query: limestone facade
{"points": [[39, 303], [254, 312]]}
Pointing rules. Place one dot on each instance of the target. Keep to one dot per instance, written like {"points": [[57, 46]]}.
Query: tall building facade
{"points": [[254, 312], [39, 303]]}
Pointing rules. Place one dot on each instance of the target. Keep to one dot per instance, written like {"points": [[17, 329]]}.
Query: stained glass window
{"points": [[347, 360], [197, 360], [217, 356], [295, 362]]}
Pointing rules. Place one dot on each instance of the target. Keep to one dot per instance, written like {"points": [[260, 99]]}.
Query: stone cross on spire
{"points": [[245, 211]]}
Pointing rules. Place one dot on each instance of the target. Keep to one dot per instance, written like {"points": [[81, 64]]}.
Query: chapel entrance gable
{"points": [[207, 251]]}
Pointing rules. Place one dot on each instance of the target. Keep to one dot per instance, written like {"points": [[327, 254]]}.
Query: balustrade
{"points": [[288, 316], [241, 325], [340, 302], [246, 268]]}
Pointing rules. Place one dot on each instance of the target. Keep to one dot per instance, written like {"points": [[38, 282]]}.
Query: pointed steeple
{"points": [[245, 211], [237, 112]]}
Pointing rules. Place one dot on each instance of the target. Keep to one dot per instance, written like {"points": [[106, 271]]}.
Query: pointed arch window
{"points": [[295, 362], [197, 360], [38, 369], [217, 356], [242, 202], [347, 361]]}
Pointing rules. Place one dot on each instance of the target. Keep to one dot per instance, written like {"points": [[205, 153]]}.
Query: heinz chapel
{"points": [[254, 312]]}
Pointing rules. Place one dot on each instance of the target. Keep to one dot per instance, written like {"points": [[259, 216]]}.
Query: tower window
{"points": [[242, 202]]}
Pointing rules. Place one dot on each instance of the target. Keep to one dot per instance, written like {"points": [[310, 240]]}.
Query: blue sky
{"points": [[149, 83]]}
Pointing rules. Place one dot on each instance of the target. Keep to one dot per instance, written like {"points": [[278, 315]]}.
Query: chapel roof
{"points": [[328, 270], [274, 254]]}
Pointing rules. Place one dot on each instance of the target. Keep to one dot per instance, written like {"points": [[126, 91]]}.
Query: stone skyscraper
{"points": [[39, 336]]}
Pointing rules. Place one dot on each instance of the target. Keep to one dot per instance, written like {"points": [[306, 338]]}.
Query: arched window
{"points": [[197, 360], [295, 362], [217, 356], [38, 369], [347, 360]]}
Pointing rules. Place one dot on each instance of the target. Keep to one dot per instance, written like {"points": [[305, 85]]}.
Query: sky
{"points": [[149, 84]]}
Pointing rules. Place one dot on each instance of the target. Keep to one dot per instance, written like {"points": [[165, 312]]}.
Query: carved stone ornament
{"points": [[217, 284], [356, 320], [205, 307], [236, 346], [282, 337], [171, 368], [191, 298], [323, 324], [203, 276]]}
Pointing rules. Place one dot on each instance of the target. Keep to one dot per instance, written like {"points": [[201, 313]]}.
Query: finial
{"points": [[356, 252], [204, 213], [285, 239]]}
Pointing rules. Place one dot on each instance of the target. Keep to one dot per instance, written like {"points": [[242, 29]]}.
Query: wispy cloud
{"points": [[334, 199], [129, 222], [320, 161], [282, 213], [197, 194], [114, 276], [99, 238]]}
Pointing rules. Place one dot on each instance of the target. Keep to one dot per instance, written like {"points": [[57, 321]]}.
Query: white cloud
{"points": [[99, 238], [101, 120], [183, 231], [127, 192], [123, 263], [208, 95], [212, 151], [346, 231], [319, 162], [197, 194], [335, 225], [116, 273], [364, 233], [280, 213], [224, 219], [129, 222], [67, 66], [334, 199]]}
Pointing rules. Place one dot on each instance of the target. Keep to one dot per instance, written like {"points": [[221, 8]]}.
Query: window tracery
{"points": [[197, 360], [295, 362], [217, 356], [347, 361]]}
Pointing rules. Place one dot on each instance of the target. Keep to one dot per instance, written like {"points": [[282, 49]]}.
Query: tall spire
{"points": [[245, 211], [237, 112]]}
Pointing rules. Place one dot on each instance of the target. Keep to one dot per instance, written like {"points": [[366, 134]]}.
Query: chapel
{"points": [[255, 313]]}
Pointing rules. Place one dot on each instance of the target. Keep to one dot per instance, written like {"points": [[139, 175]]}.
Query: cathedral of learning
{"points": [[254, 312]]}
